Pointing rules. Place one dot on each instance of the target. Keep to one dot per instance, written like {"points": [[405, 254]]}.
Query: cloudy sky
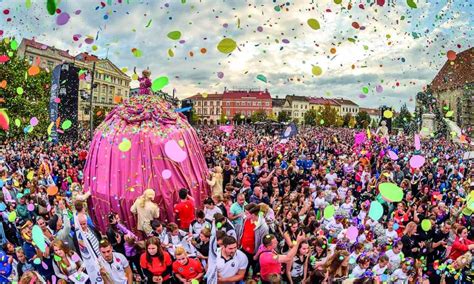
{"points": [[359, 43]]}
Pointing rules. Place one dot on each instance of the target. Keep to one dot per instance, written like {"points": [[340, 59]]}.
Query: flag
{"points": [[290, 131]]}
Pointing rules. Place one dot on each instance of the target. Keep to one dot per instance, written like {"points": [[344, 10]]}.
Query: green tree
{"points": [[346, 119], [238, 118], [311, 117], [33, 102], [283, 116], [194, 117], [403, 118], [363, 119], [374, 124], [328, 116], [99, 114], [223, 118], [259, 115], [272, 117]]}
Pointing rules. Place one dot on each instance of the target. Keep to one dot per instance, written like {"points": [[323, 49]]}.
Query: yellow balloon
{"points": [[388, 114]]}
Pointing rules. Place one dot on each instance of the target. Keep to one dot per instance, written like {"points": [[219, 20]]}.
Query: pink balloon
{"points": [[417, 142], [220, 75], [226, 128], [75, 257], [30, 207], [34, 121], [392, 155], [379, 89], [166, 174], [62, 19], [352, 233], [174, 152], [360, 138], [417, 161], [45, 266]]}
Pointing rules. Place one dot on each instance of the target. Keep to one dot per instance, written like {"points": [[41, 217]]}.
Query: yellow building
{"points": [[112, 84]]}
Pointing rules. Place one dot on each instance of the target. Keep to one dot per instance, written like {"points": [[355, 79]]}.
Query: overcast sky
{"points": [[389, 45]]}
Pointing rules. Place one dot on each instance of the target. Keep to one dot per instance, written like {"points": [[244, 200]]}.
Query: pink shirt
{"points": [[269, 264]]}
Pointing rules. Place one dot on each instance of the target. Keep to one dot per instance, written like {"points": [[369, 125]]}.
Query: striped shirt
{"points": [[93, 241]]}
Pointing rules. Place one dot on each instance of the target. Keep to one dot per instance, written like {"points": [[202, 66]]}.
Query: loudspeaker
{"points": [[387, 120], [64, 101], [187, 103]]}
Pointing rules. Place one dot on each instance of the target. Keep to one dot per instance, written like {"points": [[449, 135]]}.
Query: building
{"points": [[48, 56], [112, 84], [245, 102], [453, 87], [319, 103], [374, 113], [277, 106], [208, 107], [346, 106], [297, 106]]}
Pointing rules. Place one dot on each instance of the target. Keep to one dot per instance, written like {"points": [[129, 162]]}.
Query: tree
{"points": [[346, 119], [352, 122], [194, 117], [363, 119], [99, 114], [403, 118], [238, 118], [24, 96], [311, 117], [283, 116], [374, 124], [339, 120], [223, 119], [272, 117], [259, 115], [328, 116]]}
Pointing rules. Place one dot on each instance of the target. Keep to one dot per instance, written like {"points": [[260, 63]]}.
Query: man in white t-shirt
{"points": [[331, 177], [114, 265], [231, 263], [394, 256]]}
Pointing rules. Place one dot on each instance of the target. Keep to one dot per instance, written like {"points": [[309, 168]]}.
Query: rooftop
{"points": [[456, 75], [38, 45]]}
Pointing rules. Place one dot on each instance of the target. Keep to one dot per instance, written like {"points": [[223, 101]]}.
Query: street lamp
{"points": [[93, 86]]}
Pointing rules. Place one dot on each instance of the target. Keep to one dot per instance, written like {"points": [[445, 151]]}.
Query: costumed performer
{"points": [[146, 210]]}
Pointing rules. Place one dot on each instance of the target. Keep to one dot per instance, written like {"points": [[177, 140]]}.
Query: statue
{"points": [[146, 210], [382, 130]]}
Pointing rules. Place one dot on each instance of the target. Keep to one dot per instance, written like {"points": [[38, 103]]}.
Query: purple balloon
{"points": [[62, 19], [89, 40], [392, 155], [285, 41], [362, 96], [417, 161], [182, 41], [379, 88], [220, 75], [260, 29], [352, 233], [77, 12]]}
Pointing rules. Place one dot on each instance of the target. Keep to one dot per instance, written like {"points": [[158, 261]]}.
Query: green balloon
{"points": [[66, 124], [391, 192], [174, 35], [227, 45], [159, 83], [365, 90], [314, 24], [51, 7], [376, 210], [426, 225], [329, 211]]}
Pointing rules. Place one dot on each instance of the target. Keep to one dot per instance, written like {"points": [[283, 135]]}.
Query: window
{"points": [[50, 64], [227, 103], [102, 99], [198, 103], [211, 103], [228, 112], [249, 112], [238, 103], [110, 100], [95, 99], [205, 111], [205, 104], [211, 111], [268, 104], [119, 92], [104, 88], [199, 111], [30, 60], [253, 103], [301, 106]]}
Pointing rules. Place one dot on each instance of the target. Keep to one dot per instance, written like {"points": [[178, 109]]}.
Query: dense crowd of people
{"points": [[305, 209]]}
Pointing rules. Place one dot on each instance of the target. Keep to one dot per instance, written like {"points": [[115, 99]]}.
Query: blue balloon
{"points": [[396, 226], [1, 182], [3, 207]]}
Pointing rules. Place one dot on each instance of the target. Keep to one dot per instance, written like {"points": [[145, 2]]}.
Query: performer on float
{"points": [[382, 130], [146, 211]]}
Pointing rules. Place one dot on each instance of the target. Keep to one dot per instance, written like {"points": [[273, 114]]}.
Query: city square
{"points": [[236, 141]]}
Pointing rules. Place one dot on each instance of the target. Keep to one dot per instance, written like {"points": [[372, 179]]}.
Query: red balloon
{"points": [[451, 55]]}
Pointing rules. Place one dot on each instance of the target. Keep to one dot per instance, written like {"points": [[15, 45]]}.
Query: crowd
{"points": [[307, 209]]}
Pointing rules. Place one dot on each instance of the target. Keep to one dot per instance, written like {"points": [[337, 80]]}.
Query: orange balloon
{"points": [[191, 53], [117, 99], [3, 84], [203, 50], [33, 70], [332, 50], [52, 190], [98, 113], [451, 55]]}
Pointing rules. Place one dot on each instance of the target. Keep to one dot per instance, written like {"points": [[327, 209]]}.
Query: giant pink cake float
{"points": [[143, 144]]}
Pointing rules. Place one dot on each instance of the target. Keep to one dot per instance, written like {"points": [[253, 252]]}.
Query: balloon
{"points": [[329, 211], [395, 226], [62, 19], [38, 238], [379, 88], [166, 174], [262, 78], [451, 55], [125, 145], [426, 225], [30, 175], [30, 207], [66, 124], [392, 155], [159, 83], [174, 152], [417, 142], [314, 24], [417, 161], [391, 192], [12, 216], [37, 261], [352, 233], [52, 190], [174, 35], [17, 122], [227, 45], [4, 120], [388, 114], [316, 70], [376, 210]]}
